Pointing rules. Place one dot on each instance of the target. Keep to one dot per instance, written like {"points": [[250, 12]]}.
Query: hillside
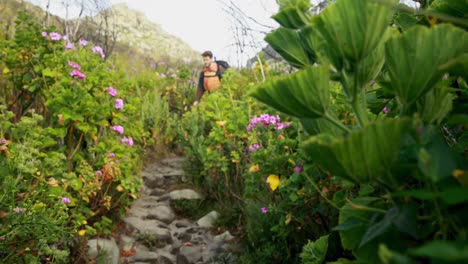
{"points": [[136, 37], [148, 38]]}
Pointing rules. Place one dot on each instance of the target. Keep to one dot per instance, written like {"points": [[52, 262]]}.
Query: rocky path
{"points": [[157, 234]]}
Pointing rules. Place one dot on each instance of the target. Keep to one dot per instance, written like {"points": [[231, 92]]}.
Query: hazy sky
{"points": [[203, 24]]}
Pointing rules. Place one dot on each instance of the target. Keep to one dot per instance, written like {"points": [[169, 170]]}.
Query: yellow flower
{"points": [[120, 188], [288, 219], [82, 232], [274, 181], [6, 70], [221, 123], [52, 182], [254, 168]]}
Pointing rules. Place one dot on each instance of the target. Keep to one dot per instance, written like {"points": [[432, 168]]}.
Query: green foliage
{"points": [[71, 149], [407, 177], [315, 252]]}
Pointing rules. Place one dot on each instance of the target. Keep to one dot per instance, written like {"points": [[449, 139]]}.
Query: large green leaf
{"points": [[350, 30], [443, 250], [435, 105], [364, 155], [305, 94], [415, 60], [289, 45], [314, 126], [315, 252], [294, 14]]}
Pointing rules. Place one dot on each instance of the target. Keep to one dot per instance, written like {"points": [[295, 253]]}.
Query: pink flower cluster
{"points": [[112, 91], [254, 147], [83, 42], [265, 120], [77, 71], [78, 74], [119, 104], [99, 50], [118, 129], [74, 65], [128, 141], [69, 46]]}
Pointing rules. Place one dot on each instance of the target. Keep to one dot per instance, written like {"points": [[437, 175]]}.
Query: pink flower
{"points": [[111, 91], [118, 129], [163, 75], [65, 37], [70, 46], [119, 104], [128, 140], [254, 147], [265, 120], [83, 42], [99, 50], [298, 169], [3, 141], [78, 74], [385, 110], [55, 36], [44, 34], [74, 65], [66, 200], [264, 210], [18, 210], [99, 172], [111, 155], [174, 75], [2, 238]]}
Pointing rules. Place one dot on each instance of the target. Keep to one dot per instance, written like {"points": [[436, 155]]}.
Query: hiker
{"points": [[210, 77]]}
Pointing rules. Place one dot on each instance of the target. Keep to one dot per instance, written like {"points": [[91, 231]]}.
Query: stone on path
{"points": [[186, 194], [224, 237], [162, 213], [208, 220], [150, 227], [104, 250]]}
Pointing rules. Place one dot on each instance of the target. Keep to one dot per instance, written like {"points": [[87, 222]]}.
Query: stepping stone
{"points": [[126, 243], [224, 237], [189, 254], [143, 254], [96, 247], [150, 227], [208, 220], [162, 213], [186, 194]]}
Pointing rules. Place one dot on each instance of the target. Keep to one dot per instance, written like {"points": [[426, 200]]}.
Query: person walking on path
{"points": [[209, 78]]}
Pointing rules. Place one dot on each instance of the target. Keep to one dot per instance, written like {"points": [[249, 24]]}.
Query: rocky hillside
{"points": [[137, 32], [136, 37]]}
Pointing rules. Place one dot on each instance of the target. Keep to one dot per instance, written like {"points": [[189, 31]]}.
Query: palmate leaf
{"points": [[351, 30], [363, 156], [294, 14], [305, 94], [417, 59], [435, 105], [289, 45]]}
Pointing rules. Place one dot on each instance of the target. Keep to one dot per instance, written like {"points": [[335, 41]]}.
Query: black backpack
{"points": [[222, 67]]}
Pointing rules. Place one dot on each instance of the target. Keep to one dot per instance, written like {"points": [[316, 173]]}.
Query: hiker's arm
{"points": [[200, 89]]}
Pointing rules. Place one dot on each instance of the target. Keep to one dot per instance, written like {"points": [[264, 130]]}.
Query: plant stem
{"points": [[360, 110], [320, 192], [337, 123]]}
